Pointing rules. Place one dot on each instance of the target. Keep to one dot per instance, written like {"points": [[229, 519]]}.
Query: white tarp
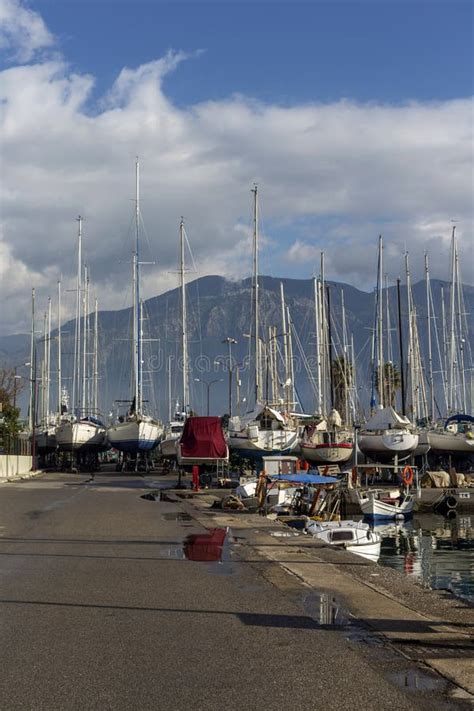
{"points": [[385, 419]]}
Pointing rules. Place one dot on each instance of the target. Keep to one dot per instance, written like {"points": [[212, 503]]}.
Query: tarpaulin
{"points": [[305, 479], [203, 438]]}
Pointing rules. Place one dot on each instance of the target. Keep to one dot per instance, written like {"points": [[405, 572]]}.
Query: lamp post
{"points": [[208, 384], [230, 342]]}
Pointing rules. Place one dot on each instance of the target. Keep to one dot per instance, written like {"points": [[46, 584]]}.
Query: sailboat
{"points": [[326, 440], [135, 433], [387, 435], [264, 430], [81, 431]]}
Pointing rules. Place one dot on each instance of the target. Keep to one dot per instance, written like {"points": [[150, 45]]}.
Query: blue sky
{"points": [[355, 118], [277, 51]]}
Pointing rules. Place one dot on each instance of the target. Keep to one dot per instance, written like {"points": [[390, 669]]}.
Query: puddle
{"points": [[416, 680], [325, 610], [177, 516], [213, 547], [283, 534]]}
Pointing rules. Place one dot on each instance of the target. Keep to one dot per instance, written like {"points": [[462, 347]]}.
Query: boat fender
{"points": [[354, 476], [407, 476], [451, 502]]}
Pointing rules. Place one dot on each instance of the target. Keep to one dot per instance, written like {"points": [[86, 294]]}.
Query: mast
{"points": [[169, 389], [184, 338], [430, 350], [400, 342], [331, 374], [452, 356], [346, 366], [256, 294], [77, 334], [460, 310], [136, 299], [96, 356], [318, 350], [380, 324], [323, 338], [31, 415], [285, 326], [59, 352], [84, 344], [48, 361]]}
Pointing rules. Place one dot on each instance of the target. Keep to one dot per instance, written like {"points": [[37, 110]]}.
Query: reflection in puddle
{"points": [[325, 610], [211, 547], [177, 516], [415, 680]]}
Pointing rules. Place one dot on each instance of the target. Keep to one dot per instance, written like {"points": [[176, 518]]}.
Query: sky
{"points": [[354, 118]]}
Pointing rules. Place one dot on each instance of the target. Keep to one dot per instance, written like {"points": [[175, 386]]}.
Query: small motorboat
{"points": [[354, 536], [385, 504]]}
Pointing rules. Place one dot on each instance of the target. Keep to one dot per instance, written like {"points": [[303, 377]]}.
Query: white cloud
{"points": [[331, 176], [22, 31]]}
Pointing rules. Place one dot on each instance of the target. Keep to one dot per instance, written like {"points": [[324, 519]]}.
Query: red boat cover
{"points": [[203, 438]]}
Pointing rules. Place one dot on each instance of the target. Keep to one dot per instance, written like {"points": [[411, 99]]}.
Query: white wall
{"points": [[12, 465]]}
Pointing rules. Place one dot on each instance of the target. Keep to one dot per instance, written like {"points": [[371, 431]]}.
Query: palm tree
{"points": [[391, 383], [342, 378]]}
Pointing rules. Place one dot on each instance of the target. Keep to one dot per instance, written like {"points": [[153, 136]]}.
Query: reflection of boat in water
{"points": [[205, 546], [382, 504], [355, 536]]}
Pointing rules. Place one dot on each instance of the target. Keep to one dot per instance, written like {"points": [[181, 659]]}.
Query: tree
{"points": [[391, 383], [10, 387]]}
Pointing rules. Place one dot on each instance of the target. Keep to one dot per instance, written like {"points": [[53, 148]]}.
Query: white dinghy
{"points": [[354, 536]]}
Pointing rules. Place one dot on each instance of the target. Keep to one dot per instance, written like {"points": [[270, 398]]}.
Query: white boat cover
{"points": [[385, 419], [240, 422]]}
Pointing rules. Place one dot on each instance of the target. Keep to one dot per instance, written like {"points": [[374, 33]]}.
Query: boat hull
{"points": [[385, 446], [75, 436], [450, 442], [337, 453], [267, 443], [135, 436], [378, 510]]}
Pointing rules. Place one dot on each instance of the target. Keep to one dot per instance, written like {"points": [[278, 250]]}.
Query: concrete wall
{"points": [[12, 465]]}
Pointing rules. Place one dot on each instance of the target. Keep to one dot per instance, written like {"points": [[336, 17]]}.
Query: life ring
{"points": [[407, 476]]}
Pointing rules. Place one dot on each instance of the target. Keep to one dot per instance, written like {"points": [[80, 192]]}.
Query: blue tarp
{"points": [[305, 478], [459, 418]]}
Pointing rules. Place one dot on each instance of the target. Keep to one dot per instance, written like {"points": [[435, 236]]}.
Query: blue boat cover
{"points": [[459, 418], [305, 478]]}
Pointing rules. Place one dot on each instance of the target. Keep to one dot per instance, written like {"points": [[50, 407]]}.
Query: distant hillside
{"points": [[218, 308]]}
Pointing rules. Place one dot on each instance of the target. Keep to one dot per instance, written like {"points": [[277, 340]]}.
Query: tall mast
{"points": [[136, 299], [184, 336], [59, 351], [460, 310], [323, 338], [256, 294], [96, 356], [346, 365], [411, 348], [77, 335], [48, 361], [331, 373], [380, 324], [400, 342], [318, 346], [430, 350], [169, 389], [31, 415], [84, 343], [452, 356], [285, 328]]}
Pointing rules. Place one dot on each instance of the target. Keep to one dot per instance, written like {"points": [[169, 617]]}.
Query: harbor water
{"points": [[436, 551]]}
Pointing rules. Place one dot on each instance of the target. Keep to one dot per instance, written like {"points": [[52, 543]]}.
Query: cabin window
{"points": [[338, 536]]}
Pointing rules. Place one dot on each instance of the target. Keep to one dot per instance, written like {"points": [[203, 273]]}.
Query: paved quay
{"points": [[99, 609]]}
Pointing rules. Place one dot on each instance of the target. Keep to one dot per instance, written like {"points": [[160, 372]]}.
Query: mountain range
{"points": [[220, 308]]}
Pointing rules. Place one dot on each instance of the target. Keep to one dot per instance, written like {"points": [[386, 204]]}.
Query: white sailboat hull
{"points": [[450, 442], [264, 443], [46, 440], [134, 436], [74, 436], [385, 445], [336, 453]]}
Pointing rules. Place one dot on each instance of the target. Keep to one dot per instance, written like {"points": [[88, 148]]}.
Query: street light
{"points": [[230, 341], [208, 384]]}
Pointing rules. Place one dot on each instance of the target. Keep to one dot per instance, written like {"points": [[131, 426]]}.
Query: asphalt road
{"points": [[99, 610]]}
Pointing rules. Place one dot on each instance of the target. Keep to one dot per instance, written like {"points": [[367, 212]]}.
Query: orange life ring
{"points": [[407, 476]]}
